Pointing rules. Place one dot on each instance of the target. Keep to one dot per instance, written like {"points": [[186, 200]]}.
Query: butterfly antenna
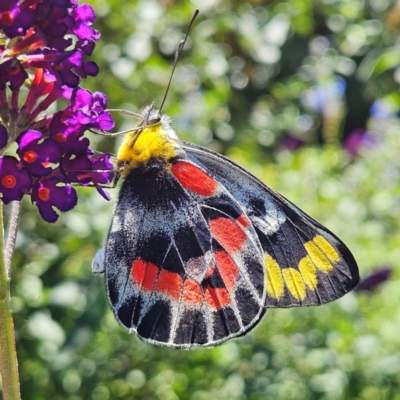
{"points": [[177, 55]]}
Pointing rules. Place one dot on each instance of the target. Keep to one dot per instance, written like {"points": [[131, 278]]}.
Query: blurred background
{"points": [[304, 94]]}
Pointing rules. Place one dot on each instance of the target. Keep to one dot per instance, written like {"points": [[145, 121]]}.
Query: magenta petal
{"points": [[63, 197], [85, 13], [105, 122], [86, 46], [50, 151], [82, 30], [28, 137], [99, 101], [47, 213], [46, 195], [90, 68], [81, 98]]}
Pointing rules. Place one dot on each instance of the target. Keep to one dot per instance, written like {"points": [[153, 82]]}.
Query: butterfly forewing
{"points": [[305, 263], [184, 266]]}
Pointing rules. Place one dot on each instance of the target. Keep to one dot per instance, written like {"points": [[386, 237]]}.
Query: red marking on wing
{"points": [[227, 268], [217, 298], [243, 220], [228, 234], [192, 292], [194, 179], [144, 274], [169, 283]]}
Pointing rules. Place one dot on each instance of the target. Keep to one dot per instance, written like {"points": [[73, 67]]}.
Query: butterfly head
{"points": [[153, 118], [151, 115], [153, 138]]}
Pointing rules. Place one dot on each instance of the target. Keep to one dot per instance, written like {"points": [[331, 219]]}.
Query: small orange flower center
{"points": [[60, 138], [9, 181], [30, 156], [13, 70], [6, 18], [44, 194]]}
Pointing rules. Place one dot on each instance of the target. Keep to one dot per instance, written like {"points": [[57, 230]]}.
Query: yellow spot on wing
{"points": [[294, 282], [275, 284], [308, 272], [152, 142], [327, 248], [322, 254]]}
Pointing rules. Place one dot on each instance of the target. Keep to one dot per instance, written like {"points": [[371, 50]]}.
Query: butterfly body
{"points": [[199, 248]]}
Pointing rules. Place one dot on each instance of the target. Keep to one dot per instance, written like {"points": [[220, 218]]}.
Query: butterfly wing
{"points": [[183, 264], [305, 263]]}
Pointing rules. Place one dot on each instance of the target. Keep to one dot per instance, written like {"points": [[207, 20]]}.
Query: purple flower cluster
{"points": [[44, 46]]}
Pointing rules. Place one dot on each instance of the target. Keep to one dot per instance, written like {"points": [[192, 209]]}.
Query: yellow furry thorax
{"points": [[138, 148]]}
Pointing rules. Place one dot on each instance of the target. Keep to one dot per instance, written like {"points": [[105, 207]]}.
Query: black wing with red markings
{"points": [[184, 266]]}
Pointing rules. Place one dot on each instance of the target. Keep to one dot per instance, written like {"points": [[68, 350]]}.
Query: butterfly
{"points": [[199, 248]]}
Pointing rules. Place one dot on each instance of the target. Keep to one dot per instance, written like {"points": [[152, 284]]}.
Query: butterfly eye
{"points": [[154, 119]]}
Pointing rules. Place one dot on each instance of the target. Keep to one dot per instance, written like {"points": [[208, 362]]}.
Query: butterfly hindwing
{"points": [[305, 263], [184, 266]]}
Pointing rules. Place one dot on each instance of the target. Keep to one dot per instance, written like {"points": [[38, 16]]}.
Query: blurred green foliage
{"points": [[256, 80]]}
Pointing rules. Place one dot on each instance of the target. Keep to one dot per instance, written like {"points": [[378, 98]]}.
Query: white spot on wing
{"points": [[98, 262], [197, 268], [271, 222]]}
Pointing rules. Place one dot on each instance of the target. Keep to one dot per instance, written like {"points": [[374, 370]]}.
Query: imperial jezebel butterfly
{"points": [[199, 248]]}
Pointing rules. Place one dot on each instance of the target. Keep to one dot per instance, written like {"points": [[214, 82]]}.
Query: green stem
{"points": [[8, 354]]}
